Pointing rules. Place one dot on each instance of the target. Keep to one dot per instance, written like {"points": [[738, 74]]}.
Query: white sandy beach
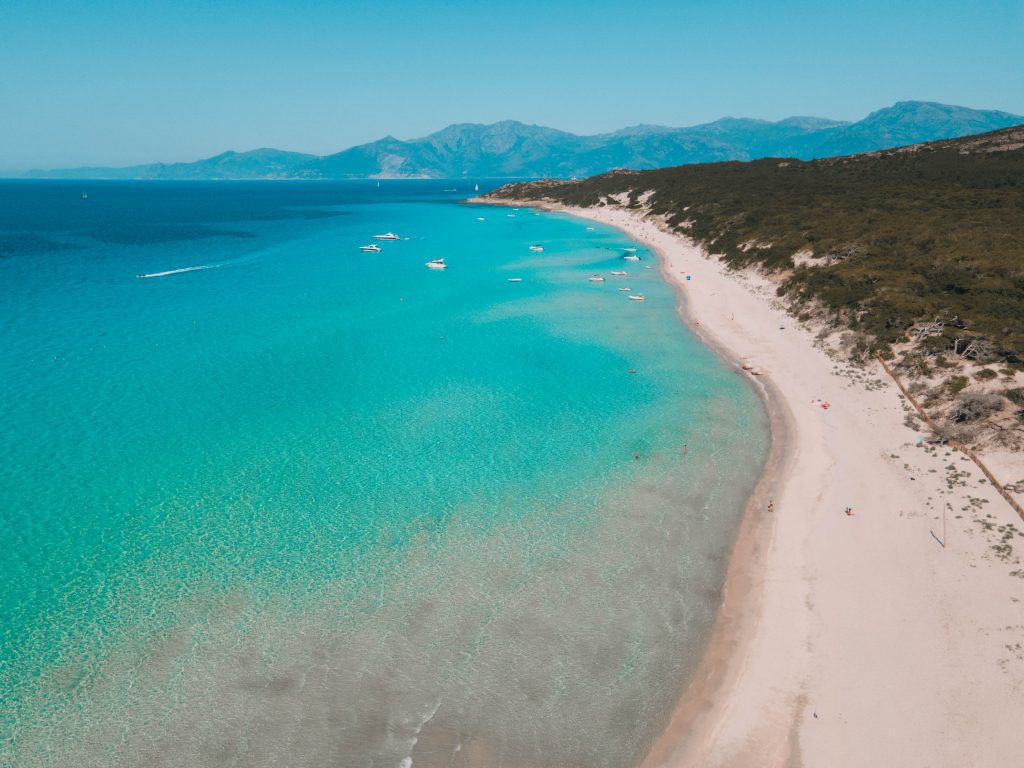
{"points": [[846, 640]]}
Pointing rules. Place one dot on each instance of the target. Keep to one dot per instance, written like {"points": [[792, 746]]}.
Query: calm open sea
{"points": [[303, 505]]}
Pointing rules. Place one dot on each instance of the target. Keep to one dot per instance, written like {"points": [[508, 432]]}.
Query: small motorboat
{"points": [[636, 297], [619, 273], [624, 288], [372, 248], [437, 264], [510, 215], [387, 236], [631, 249], [631, 257], [590, 229], [536, 248], [596, 279], [515, 279], [480, 218]]}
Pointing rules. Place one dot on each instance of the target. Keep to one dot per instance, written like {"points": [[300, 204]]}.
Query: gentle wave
{"points": [[179, 271]]}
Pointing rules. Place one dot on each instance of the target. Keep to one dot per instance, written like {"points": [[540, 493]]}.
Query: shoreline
{"points": [[793, 673], [681, 741]]}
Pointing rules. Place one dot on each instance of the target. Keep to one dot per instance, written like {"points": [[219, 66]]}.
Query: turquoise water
{"points": [[311, 506]]}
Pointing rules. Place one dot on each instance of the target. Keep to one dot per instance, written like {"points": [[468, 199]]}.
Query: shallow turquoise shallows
{"points": [[312, 506]]}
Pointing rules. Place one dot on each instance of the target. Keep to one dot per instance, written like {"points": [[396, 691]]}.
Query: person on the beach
{"points": [[685, 450], [849, 511], [636, 455]]}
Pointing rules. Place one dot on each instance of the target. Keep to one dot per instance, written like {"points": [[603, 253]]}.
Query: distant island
{"points": [[511, 149]]}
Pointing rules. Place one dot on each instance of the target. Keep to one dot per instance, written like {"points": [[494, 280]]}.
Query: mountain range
{"points": [[510, 149]]}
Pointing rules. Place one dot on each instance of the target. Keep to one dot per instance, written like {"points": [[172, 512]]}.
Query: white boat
{"points": [[631, 249], [537, 248], [625, 289], [85, 196], [631, 257], [437, 264], [387, 236], [480, 218], [515, 279], [510, 215], [596, 279], [590, 229], [476, 187], [636, 297], [618, 274], [372, 248]]}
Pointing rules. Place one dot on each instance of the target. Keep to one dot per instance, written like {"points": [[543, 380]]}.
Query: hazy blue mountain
{"points": [[504, 149], [255, 164], [511, 149], [907, 122]]}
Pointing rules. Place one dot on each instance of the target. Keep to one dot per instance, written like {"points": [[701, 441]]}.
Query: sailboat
{"points": [[476, 187], [85, 196]]}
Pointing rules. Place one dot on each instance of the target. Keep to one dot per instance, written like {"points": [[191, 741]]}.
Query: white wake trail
{"points": [[179, 271]]}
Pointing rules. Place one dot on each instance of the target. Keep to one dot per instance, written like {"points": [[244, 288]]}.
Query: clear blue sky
{"points": [[114, 82]]}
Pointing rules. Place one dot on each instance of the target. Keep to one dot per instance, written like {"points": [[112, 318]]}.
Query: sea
{"points": [[270, 500]]}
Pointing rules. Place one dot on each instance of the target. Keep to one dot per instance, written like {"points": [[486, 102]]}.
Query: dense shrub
{"points": [[972, 407]]}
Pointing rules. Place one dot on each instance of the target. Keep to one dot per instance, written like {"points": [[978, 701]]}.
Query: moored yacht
{"points": [[387, 236], [537, 248], [437, 264], [372, 248], [618, 273], [596, 279], [631, 257], [636, 297]]}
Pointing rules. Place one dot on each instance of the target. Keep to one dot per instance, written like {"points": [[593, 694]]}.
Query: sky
{"points": [[119, 82]]}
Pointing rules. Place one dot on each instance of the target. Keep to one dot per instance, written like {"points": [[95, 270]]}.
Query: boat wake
{"points": [[178, 271]]}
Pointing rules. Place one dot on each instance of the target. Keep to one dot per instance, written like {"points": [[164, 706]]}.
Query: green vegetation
{"points": [[922, 245], [956, 384]]}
